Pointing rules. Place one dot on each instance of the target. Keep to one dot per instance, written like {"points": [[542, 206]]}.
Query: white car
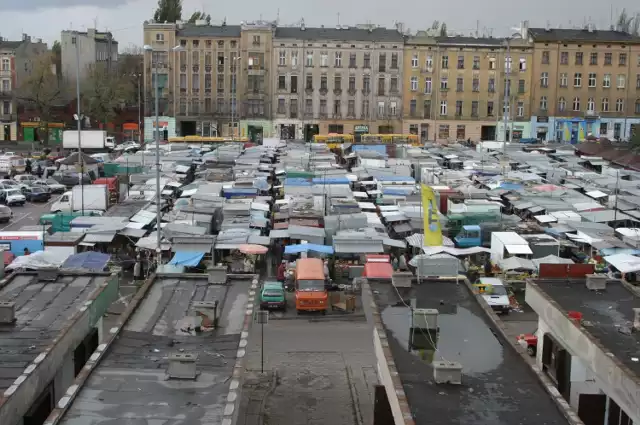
{"points": [[110, 142], [127, 146], [51, 185], [13, 197]]}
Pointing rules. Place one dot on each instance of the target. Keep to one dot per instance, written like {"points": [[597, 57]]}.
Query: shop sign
{"points": [[542, 119], [361, 129]]}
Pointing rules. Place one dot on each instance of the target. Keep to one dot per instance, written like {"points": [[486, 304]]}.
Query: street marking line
{"points": [[16, 221]]}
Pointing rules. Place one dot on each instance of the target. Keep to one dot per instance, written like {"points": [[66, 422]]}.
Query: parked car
{"points": [[70, 178], [127, 147], [5, 214], [51, 185], [529, 342], [272, 296], [25, 180], [36, 194], [12, 197]]}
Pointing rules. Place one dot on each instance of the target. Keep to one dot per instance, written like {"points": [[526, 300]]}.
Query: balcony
{"points": [[323, 115], [323, 91], [183, 68], [352, 91], [208, 68], [293, 115], [308, 90], [337, 91], [444, 89], [6, 94], [220, 69], [353, 66], [196, 68]]}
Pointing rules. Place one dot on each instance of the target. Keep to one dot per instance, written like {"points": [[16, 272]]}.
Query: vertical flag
{"points": [[432, 227]]}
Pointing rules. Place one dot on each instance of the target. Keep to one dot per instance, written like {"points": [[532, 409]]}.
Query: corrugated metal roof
{"points": [[213, 31], [343, 34]]}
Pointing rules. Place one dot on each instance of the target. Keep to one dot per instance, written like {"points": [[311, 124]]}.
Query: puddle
{"points": [[463, 337]]}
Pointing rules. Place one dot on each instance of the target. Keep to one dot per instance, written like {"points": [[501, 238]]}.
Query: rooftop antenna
{"points": [[477, 28], [338, 19], [95, 22], [278, 16]]}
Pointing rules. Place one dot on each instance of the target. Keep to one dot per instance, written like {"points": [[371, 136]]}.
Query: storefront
{"points": [[288, 129], [256, 130], [574, 130], [359, 130], [36, 131], [617, 128], [166, 124], [542, 128], [8, 130], [515, 131]]}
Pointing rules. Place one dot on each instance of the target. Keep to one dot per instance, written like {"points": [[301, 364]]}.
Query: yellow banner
{"points": [[432, 227]]}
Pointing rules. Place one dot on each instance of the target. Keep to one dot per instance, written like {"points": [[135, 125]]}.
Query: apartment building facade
{"points": [[454, 87], [345, 80], [96, 48], [586, 83], [16, 62]]}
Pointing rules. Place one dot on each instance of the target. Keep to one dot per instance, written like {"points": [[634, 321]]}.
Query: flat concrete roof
{"points": [[130, 385], [606, 315], [43, 310], [497, 385]]}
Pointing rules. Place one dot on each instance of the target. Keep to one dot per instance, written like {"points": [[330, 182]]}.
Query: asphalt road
{"points": [[29, 215]]}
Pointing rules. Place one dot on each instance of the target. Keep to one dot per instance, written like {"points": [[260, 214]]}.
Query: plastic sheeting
{"points": [[94, 261], [625, 263], [38, 260], [186, 258], [296, 249], [430, 250]]}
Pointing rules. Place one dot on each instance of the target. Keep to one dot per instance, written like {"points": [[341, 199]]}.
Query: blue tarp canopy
{"points": [[95, 261], [186, 258], [297, 249], [330, 180], [376, 148], [510, 186], [296, 181]]}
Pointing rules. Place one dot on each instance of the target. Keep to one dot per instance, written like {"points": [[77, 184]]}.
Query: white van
{"points": [[10, 163], [494, 293]]}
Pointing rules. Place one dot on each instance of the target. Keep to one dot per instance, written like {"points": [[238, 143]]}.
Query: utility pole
{"points": [[79, 121], [507, 89]]}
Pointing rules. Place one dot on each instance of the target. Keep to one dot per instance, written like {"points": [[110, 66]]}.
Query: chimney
{"points": [[7, 313], [207, 311], [24, 37], [591, 27], [636, 319], [302, 27], [524, 30], [447, 372], [182, 366], [596, 282]]}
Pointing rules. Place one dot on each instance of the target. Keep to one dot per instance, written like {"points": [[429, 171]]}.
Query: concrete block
{"points": [[207, 311], [596, 282], [182, 366], [217, 275], [425, 318], [7, 312], [447, 372]]}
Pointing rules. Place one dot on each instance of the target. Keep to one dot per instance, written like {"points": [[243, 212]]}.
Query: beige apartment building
{"points": [[345, 80], [586, 82], [454, 87]]}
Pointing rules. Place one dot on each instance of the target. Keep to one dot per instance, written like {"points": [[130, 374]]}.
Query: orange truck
{"points": [[311, 293]]}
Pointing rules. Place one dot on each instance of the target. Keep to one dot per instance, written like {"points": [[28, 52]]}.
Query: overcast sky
{"points": [[46, 18]]}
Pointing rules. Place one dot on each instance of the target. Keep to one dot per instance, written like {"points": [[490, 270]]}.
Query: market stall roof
{"points": [[279, 234], [545, 219], [378, 270], [296, 249], [625, 263], [513, 263], [357, 245], [551, 259], [186, 258], [98, 237], [518, 249], [93, 261]]}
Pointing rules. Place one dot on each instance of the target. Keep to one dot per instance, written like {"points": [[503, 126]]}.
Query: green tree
{"points": [[197, 15], [634, 142], [56, 53], [104, 93], [42, 92], [628, 23], [168, 11], [443, 30]]}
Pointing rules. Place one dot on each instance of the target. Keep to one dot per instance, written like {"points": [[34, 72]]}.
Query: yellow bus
{"points": [[200, 139], [396, 139], [333, 140]]}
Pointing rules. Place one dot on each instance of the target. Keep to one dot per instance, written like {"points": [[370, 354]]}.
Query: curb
{"points": [[564, 407], [63, 404], [230, 413]]}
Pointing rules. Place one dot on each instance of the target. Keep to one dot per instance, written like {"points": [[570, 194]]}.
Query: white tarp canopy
{"points": [[552, 259], [518, 249], [514, 263], [430, 250], [626, 263], [39, 260]]}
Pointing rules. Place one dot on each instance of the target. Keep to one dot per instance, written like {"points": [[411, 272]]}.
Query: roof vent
{"points": [[597, 282], [7, 313], [636, 319], [425, 318], [447, 372], [48, 274], [182, 366], [207, 311]]}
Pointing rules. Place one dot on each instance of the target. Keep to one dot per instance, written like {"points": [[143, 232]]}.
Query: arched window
{"points": [[562, 104], [576, 103], [605, 104], [619, 105], [591, 105]]}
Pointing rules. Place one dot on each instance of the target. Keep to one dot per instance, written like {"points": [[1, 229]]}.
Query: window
{"points": [[414, 83], [545, 57], [352, 83], [367, 60], [309, 83], [282, 82], [381, 84], [521, 86], [605, 105], [427, 85], [6, 85], [308, 106], [492, 63], [637, 81], [294, 59], [414, 61], [619, 105], [621, 81], [564, 79], [256, 40], [323, 82], [443, 131], [564, 58], [460, 62], [544, 80], [351, 108], [294, 84], [337, 82], [309, 61], [591, 105], [520, 109], [578, 58], [281, 106], [6, 107], [393, 109], [608, 58], [475, 85], [428, 63], [6, 63], [443, 107], [577, 79], [413, 106], [507, 64], [324, 59], [460, 132], [562, 104], [382, 62], [522, 66], [282, 59], [592, 79], [426, 109], [366, 83], [476, 62], [459, 84], [622, 59], [365, 109], [323, 107], [159, 37], [606, 81], [393, 87], [293, 108], [381, 109], [637, 106], [444, 83], [337, 60], [576, 103], [394, 61], [445, 62], [492, 85], [543, 103], [474, 108], [458, 108], [352, 60], [337, 108], [593, 58], [490, 108]]}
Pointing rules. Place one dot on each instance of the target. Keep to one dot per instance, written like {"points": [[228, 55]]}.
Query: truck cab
{"points": [[311, 292], [469, 236]]}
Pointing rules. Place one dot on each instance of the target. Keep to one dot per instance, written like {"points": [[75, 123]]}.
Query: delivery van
{"points": [[311, 292]]}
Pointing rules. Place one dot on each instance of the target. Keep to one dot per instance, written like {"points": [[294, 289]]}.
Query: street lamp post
{"points": [[78, 118], [234, 88], [507, 90], [157, 138]]}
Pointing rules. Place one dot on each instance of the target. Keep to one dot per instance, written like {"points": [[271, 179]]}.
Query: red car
{"points": [[529, 341]]}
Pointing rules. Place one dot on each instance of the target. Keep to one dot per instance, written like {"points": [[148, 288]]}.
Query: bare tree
{"points": [[131, 67], [104, 93], [43, 91]]}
